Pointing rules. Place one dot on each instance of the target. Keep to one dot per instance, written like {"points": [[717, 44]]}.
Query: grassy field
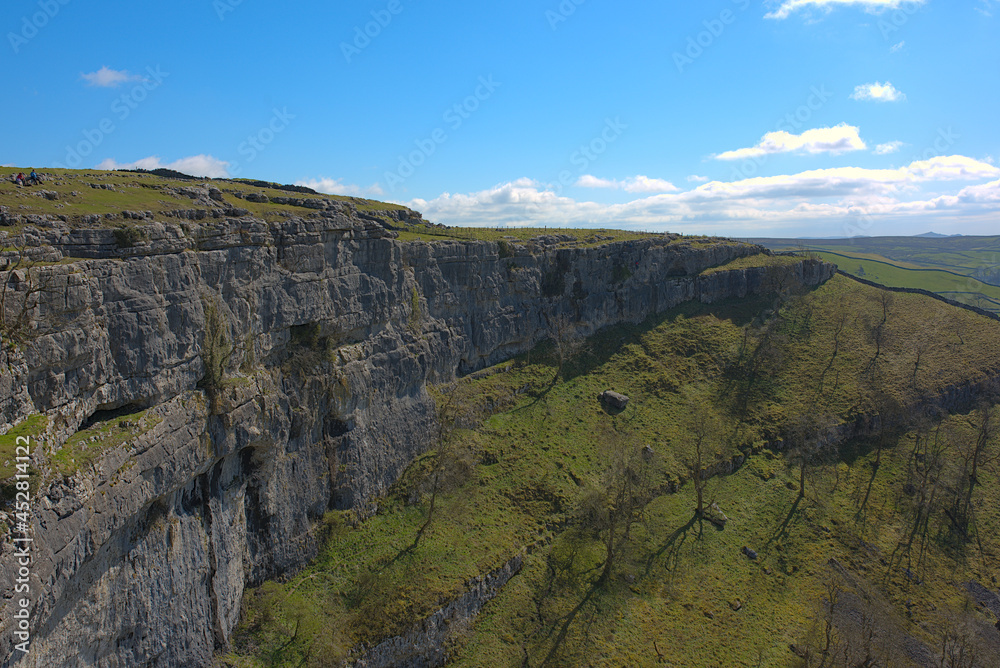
{"points": [[966, 269], [545, 467], [89, 198], [566, 236], [119, 191]]}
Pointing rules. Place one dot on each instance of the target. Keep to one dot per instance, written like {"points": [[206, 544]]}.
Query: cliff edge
{"points": [[201, 389]]}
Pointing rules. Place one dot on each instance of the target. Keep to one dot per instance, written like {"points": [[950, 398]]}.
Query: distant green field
{"points": [[966, 269]]}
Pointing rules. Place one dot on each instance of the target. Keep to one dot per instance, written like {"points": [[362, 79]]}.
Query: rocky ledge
{"points": [[240, 378]]}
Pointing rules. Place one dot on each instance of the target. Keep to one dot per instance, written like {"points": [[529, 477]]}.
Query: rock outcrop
{"points": [[283, 368], [424, 645]]}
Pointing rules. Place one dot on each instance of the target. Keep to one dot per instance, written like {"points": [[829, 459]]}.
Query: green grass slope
{"points": [[618, 569]]}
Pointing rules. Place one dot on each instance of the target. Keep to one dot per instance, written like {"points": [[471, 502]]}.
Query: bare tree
{"points": [[759, 356], [704, 432], [887, 413], [613, 509], [841, 318], [451, 463], [960, 647], [565, 339], [781, 281], [878, 330], [974, 456], [834, 587], [22, 284], [926, 464], [807, 444]]}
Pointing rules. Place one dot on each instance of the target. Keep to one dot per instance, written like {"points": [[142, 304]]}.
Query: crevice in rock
{"points": [[109, 414], [206, 518]]}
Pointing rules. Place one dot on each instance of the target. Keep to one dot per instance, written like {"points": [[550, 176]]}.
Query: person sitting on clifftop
{"points": [[33, 178], [19, 179]]}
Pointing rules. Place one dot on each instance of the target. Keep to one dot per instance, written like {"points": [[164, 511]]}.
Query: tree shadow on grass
{"points": [[567, 621], [782, 530], [671, 547]]}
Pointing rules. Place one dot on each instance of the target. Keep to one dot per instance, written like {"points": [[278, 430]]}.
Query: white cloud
{"points": [[838, 139], [195, 165], [832, 197], [951, 168], [877, 92], [788, 7], [888, 147], [986, 8], [517, 203], [338, 187], [694, 178], [108, 78], [897, 47], [634, 184]]}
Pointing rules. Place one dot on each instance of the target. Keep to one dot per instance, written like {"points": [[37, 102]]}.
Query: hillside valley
{"points": [[272, 427]]}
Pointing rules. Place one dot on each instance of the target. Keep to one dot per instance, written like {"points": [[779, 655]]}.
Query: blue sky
{"points": [[734, 117]]}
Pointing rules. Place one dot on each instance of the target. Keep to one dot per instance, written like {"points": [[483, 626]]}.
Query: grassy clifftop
{"points": [[94, 198], [75, 197]]}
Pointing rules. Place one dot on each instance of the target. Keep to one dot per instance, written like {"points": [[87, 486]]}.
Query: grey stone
{"points": [[614, 399]]}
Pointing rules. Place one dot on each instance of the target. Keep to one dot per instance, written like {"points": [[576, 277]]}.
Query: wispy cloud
{"points": [[877, 92], [838, 139], [694, 178], [634, 184], [986, 8], [888, 147], [788, 7], [897, 47], [195, 165], [807, 199], [338, 187], [108, 78]]}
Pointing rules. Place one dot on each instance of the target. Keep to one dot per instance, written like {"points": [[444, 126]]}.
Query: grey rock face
{"points": [[284, 367]]}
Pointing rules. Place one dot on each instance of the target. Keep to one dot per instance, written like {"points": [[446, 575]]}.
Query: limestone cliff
{"points": [[282, 368]]}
